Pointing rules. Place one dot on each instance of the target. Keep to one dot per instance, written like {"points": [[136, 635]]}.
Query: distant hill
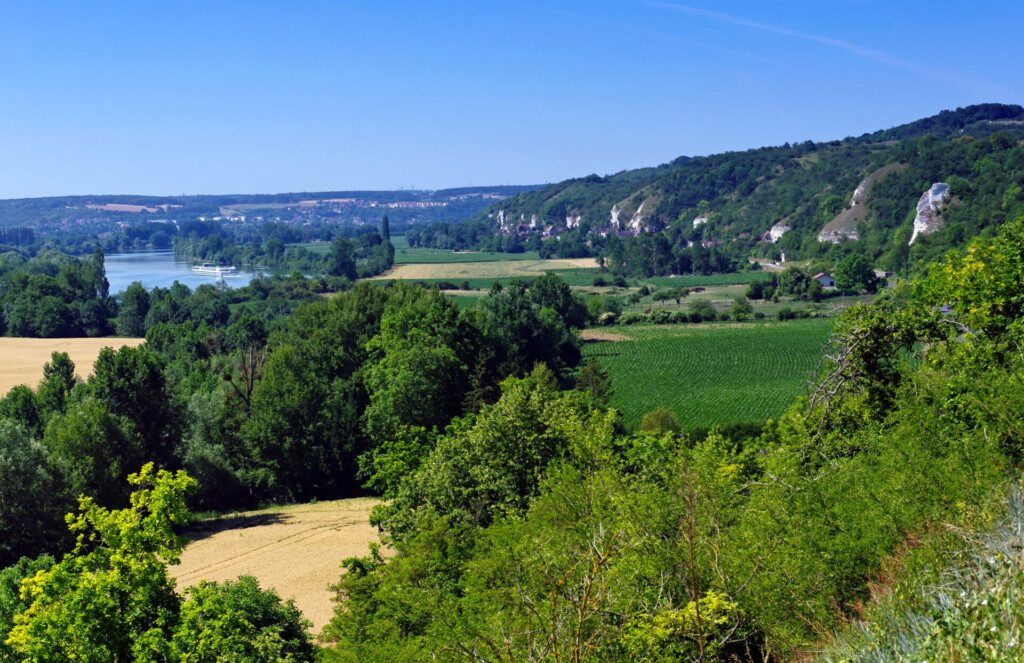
{"points": [[650, 220], [331, 206]]}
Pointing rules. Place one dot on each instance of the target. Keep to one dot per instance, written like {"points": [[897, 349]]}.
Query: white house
{"points": [[825, 280]]}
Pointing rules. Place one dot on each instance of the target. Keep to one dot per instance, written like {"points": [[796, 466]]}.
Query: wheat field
{"points": [[295, 550], [457, 271], [22, 359]]}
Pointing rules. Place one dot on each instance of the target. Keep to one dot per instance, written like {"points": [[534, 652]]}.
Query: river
{"points": [[160, 269]]}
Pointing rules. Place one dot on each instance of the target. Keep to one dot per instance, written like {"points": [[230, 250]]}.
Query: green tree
{"points": [[238, 621], [854, 274], [131, 383], [418, 382], [11, 600], [741, 308], [32, 496], [110, 599], [131, 319], [20, 405], [95, 450], [660, 420], [341, 261], [58, 381], [594, 380]]}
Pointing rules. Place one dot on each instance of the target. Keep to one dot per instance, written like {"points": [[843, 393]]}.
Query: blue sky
{"points": [[233, 97]]}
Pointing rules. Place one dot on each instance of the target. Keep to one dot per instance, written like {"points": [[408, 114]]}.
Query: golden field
{"points": [[22, 359], [295, 550], [484, 270]]}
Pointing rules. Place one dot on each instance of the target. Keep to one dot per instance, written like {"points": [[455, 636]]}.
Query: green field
{"points": [[411, 256], [692, 280], [714, 373]]}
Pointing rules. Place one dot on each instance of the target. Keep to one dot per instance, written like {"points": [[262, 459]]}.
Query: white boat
{"points": [[206, 269]]}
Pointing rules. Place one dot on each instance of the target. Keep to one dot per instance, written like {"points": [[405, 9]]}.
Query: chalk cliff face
{"points": [[699, 221], [636, 222], [777, 231], [929, 207], [837, 235], [504, 223]]}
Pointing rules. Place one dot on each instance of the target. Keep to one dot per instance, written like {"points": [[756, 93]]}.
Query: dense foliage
{"points": [[369, 254], [54, 295], [259, 410], [538, 529], [525, 521], [111, 599]]}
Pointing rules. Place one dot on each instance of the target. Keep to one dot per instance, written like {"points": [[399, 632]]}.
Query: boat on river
{"points": [[219, 271]]}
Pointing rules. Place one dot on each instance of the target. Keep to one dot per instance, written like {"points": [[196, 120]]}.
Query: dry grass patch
{"points": [[296, 550], [22, 359], [602, 335], [484, 270]]}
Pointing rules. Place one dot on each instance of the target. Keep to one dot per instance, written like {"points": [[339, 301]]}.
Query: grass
{"points": [[711, 374], [964, 604], [271, 543], [407, 255], [694, 280], [22, 359], [419, 256]]}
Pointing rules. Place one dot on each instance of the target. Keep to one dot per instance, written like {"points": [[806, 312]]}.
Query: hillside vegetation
{"points": [[538, 529], [706, 214]]}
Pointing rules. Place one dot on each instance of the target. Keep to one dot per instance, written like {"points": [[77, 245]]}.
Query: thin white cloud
{"points": [[973, 84], [656, 35]]}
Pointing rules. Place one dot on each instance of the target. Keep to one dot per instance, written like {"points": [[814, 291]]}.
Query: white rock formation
{"points": [[573, 221], [929, 206], [777, 231], [837, 235], [504, 224], [699, 220], [636, 221], [615, 216], [860, 194]]}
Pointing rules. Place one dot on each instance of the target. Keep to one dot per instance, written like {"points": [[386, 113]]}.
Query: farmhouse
{"points": [[825, 280]]}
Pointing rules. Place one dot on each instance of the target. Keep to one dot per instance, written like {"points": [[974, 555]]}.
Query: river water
{"points": [[160, 269]]}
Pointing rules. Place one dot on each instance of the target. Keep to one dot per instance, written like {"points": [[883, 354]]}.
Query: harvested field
{"points": [[603, 335], [484, 270], [22, 359], [296, 550]]}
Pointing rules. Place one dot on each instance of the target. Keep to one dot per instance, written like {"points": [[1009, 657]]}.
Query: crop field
{"points": [[296, 550], [693, 280], [22, 359], [710, 374], [415, 256], [489, 271]]}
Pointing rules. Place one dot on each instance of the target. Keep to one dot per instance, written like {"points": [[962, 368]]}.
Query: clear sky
{"points": [[256, 96]]}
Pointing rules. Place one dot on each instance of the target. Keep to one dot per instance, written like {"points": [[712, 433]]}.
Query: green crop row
{"points": [[714, 374]]}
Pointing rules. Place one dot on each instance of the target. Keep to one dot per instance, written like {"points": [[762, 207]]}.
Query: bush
{"points": [[660, 421]]}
